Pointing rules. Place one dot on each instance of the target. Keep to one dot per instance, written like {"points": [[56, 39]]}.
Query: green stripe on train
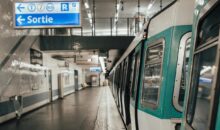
{"points": [[172, 37]]}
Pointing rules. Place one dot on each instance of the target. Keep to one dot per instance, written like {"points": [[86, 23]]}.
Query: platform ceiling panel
{"points": [[51, 43]]}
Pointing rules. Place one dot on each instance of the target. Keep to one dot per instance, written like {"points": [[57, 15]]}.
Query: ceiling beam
{"points": [[53, 43]]}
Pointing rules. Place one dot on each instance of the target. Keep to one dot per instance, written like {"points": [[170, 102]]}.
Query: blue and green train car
{"points": [[202, 107], [148, 82]]}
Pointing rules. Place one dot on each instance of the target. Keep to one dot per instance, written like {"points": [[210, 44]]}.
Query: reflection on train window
{"points": [[182, 70], [209, 27], [132, 74], [152, 75], [135, 76], [200, 94], [185, 71]]}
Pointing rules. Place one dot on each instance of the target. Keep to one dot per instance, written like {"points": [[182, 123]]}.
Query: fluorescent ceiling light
{"points": [[116, 15], [118, 6], [89, 60], [86, 5], [205, 69], [102, 62], [90, 15], [150, 6]]}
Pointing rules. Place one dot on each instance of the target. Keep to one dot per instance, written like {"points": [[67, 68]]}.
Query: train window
{"points": [[135, 76], [209, 27], [200, 94], [181, 71], [124, 75], [132, 73], [152, 75]]}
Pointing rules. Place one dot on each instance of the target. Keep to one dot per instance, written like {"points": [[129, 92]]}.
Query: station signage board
{"points": [[47, 14]]}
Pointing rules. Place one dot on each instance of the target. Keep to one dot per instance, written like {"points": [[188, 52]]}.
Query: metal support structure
{"points": [[161, 4], [116, 29], [94, 22], [135, 25], [111, 26], [81, 31], [128, 27], [138, 29]]}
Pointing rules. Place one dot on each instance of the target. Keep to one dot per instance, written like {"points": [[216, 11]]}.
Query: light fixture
{"points": [[76, 46], [118, 6], [86, 5], [116, 15], [89, 15], [90, 20], [89, 60], [151, 4], [205, 69], [102, 62]]}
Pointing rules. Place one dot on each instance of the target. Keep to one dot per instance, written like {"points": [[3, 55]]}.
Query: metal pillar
{"points": [[111, 26], [128, 27]]}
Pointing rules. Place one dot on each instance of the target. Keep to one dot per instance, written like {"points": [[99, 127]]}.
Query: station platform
{"points": [[89, 109]]}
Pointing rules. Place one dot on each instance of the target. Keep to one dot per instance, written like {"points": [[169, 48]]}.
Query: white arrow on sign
{"points": [[20, 7], [20, 19]]}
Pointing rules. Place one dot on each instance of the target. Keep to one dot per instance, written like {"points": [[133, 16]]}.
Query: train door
{"points": [[50, 85], [117, 84], [116, 76], [125, 91], [134, 87], [113, 82], [203, 98], [120, 87], [76, 80], [150, 91]]}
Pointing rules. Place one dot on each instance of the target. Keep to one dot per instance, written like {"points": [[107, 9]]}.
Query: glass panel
{"points": [[152, 76], [200, 94], [185, 70], [209, 27], [135, 78], [125, 76]]}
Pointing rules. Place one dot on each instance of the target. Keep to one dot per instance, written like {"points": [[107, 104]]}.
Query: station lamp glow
{"points": [[151, 4], [89, 60], [102, 62], [89, 15], [118, 7], [86, 5]]}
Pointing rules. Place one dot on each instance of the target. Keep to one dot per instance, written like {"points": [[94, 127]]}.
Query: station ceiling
{"points": [[108, 38]]}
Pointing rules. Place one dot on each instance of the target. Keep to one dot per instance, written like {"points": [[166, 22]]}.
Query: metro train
{"points": [[148, 82], [202, 108]]}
